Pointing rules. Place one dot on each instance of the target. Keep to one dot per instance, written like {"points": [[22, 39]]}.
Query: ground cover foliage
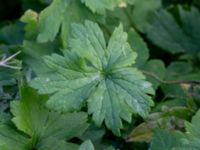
{"points": [[100, 75]]}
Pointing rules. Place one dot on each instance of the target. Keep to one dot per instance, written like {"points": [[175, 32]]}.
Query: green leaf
{"points": [[43, 129], [138, 44], [164, 140], [34, 119], [4, 117], [76, 12], [87, 145], [12, 34], [60, 14], [55, 144], [33, 54], [154, 68], [143, 11], [178, 141], [166, 32], [193, 127], [179, 71], [192, 135], [31, 21], [100, 6], [98, 73], [169, 118], [171, 103], [8, 76], [93, 133], [96, 135], [9, 137], [50, 20]]}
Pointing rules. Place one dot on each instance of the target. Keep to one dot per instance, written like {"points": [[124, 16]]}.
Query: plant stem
{"points": [[171, 81], [4, 61]]}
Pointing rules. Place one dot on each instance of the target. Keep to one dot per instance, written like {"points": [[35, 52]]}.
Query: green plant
{"points": [[178, 140], [36, 127], [100, 74], [97, 72]]}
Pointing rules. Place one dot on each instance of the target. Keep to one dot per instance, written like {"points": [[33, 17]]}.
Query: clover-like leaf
{"points": [[98, 73]]}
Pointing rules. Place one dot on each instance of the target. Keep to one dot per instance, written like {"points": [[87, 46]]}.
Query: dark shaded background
{"points": [[10, 9], [13, 9]]}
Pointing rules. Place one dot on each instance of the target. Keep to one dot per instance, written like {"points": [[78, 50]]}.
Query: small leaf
{"points": [[87, 145], [30, 17]]}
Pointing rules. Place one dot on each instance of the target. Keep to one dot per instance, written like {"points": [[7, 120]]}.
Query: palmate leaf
{"points": [[98, 73]]}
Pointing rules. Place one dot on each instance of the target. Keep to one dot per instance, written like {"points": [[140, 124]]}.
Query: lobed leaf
{"points": [[31, 117], [99, 74]]}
